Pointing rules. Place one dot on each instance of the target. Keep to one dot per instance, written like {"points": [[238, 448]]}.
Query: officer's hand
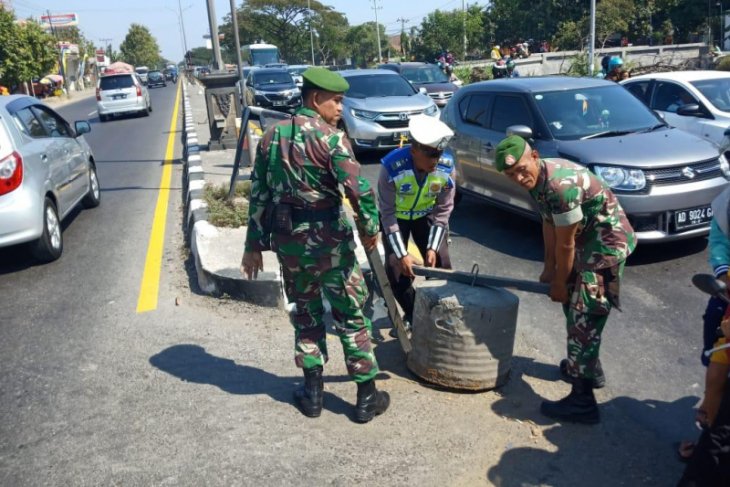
{"points": [[547, 275], [406, 266], [559, 292], [430, 258], [725, 327], [251, 264], [370, 243]]}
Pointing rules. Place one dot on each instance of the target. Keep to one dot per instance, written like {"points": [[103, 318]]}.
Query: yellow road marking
{"points": [[149, 290]]}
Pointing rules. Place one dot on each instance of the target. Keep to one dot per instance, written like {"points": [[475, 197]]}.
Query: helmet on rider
{"points": [[615, 62]]}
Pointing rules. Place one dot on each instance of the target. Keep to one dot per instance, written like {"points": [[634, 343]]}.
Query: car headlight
{"points": [[432, 110], [259, 93], [296, 92], [364, 114], [621, 178], [724, 166]]}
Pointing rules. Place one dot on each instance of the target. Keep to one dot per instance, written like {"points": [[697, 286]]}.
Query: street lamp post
{"points": [[311, 34]]}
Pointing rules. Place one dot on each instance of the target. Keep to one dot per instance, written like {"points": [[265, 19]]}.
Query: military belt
{"points": [[304, 215]]}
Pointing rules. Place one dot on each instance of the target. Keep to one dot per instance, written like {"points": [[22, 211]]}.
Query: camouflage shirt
{"points": [[302, 162], [567, 193]]}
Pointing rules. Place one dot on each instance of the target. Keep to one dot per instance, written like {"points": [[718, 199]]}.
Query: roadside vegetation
{"points": [[224, 213]]}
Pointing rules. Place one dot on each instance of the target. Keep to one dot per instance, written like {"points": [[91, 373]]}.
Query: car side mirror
{"points": [[690, 110], [522, 130], [660, 115], [82, 127], [423, 90]]}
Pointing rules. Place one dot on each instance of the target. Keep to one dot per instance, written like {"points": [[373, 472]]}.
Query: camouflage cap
{"points": [[508, 152], [324, 79]]}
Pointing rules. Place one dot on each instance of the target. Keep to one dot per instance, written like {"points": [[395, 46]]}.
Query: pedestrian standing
{"points": [[587, 239], [416, 196], [299, 166]]}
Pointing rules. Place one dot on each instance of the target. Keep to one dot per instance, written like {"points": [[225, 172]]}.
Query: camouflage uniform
{"points": [[604, 239], [301, 163]]}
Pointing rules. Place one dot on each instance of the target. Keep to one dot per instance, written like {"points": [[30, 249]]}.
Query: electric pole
{"points": [[402, 31], [182, 26], [311, 34], [213, 23], [463, 15], [107, 42], [377, 29]]}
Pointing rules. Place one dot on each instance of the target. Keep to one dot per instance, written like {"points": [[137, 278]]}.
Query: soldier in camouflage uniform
{"points": [[587, 240], [295, 210]]}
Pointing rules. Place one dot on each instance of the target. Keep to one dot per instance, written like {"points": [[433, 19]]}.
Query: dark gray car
{"points": [[665, 178]]}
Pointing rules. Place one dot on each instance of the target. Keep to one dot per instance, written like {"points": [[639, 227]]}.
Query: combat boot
{"points": [[310, 396], [599, 379], [370, 402], [579, 406]]}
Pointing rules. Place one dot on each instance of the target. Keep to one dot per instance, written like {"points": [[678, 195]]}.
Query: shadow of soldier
{"points": [[191, 363], [635, 443]]}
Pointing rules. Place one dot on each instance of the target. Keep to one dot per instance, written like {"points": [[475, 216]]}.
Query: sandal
{"points": [[686, 450]]}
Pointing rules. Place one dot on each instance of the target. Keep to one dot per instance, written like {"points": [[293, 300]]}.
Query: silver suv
{"points": [[665, 178], [378, 105]]}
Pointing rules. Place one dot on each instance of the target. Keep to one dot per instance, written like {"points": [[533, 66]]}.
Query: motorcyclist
{"points": [[615, 68]]}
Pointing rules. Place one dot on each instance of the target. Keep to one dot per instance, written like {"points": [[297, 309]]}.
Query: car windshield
{"points": [[263, 79], [155, 74], [116, 82], [424, 74], [717, 91], [378, 85], [592, 112]]}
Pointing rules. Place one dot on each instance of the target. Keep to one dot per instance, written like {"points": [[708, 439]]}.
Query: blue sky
{"points": [[103, 19]]}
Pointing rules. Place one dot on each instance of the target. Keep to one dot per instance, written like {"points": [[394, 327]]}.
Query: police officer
{"points": [[416, 197], [587, 239], [294, 187]]}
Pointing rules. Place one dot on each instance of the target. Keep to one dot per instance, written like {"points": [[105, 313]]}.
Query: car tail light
{"points": [[98, 94], [139, 90], [11, 173]]}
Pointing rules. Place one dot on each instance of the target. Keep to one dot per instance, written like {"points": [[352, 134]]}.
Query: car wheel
{"points": [[150, 108], [103, 118], [50, 246], [93, 197]]}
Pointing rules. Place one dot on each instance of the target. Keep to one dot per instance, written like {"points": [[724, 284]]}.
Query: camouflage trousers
{"points": [[592, 295], [341, 281]]}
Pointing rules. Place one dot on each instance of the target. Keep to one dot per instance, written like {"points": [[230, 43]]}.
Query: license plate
{"points": [[692, 217], [397, 135], [118, 97], [278, 103]]}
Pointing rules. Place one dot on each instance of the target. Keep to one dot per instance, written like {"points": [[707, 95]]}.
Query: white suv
{"points": [[121, 93]]}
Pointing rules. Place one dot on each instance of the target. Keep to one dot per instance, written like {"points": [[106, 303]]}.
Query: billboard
{"points": [[59, 21]]}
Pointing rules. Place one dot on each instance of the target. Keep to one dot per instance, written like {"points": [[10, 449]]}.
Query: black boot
{"points": [[310, 396], [578, 407], [599, 380], [370, 402]]}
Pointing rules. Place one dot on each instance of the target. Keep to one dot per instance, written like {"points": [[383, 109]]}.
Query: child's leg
{"points": [[715, 380]]}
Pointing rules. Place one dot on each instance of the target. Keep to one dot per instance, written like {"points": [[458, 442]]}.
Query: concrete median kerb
{"points": [[217, 251]]}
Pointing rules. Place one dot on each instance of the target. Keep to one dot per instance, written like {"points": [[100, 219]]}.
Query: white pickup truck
{"points": [[142, 73]]}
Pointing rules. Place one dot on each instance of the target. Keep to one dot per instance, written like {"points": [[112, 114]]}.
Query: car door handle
{"points": [[44, 158]]}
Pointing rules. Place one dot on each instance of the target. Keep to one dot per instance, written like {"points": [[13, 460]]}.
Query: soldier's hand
{"points": [[370, 243], [430, 258], [559, 292], [251, 264], [406, 266]]}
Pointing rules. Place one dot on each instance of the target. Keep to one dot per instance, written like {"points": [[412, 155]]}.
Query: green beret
{"points": [[324, 79], [508, 152]]}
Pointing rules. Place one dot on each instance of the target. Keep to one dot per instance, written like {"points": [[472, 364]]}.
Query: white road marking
{"points": [[92, 113]]}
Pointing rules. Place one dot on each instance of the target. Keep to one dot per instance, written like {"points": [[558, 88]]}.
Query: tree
{"points": [[445, 30], [362, 41], [26, 51], [139, 48], [330, 31], [200, 56]]}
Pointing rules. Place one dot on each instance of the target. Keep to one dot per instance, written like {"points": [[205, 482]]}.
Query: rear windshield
{"points": [[424, 74], [155, 74], [378, 85], [116, 82]]}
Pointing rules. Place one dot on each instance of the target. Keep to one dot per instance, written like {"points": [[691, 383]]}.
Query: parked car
{"points": [[378, 106], [695, 101], [665, 178], [121, 93], [46, 170], [272, 88], [428, 76], [296, 70], [142, 72], [156, 78]]}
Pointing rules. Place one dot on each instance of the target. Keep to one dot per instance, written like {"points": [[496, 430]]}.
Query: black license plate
{"points": [[692, 217], [119, 97]]}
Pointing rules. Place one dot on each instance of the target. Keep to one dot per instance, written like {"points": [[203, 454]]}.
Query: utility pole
{"points": [[402, 31], [377, 29], [234, 18], [311, 34], [107, 43], [182, 26], [592, 47], [463, 11], [213, 22], [60, 55]]}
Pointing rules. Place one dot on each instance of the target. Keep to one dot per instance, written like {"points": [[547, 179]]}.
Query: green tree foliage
{"points": [[445, 30], [25, 50], [330, 29], [139, 48], [201, 56], [363, 43]]}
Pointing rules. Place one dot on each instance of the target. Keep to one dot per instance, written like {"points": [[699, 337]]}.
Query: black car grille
{"points": [[647, 223], [275, 97], [699, 171], [397, 120], [393, 124]]}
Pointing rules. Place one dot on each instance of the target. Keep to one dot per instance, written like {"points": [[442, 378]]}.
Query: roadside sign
{"points": [[59, 20]]}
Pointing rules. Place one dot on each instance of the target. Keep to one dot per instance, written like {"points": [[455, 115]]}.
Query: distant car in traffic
{"points": [[272, 88], [121, 93], [156, 78], [296, 70], [695, 101], [428, 76], [142, 72], [665, 178], [377, 107], [46, 169]]}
